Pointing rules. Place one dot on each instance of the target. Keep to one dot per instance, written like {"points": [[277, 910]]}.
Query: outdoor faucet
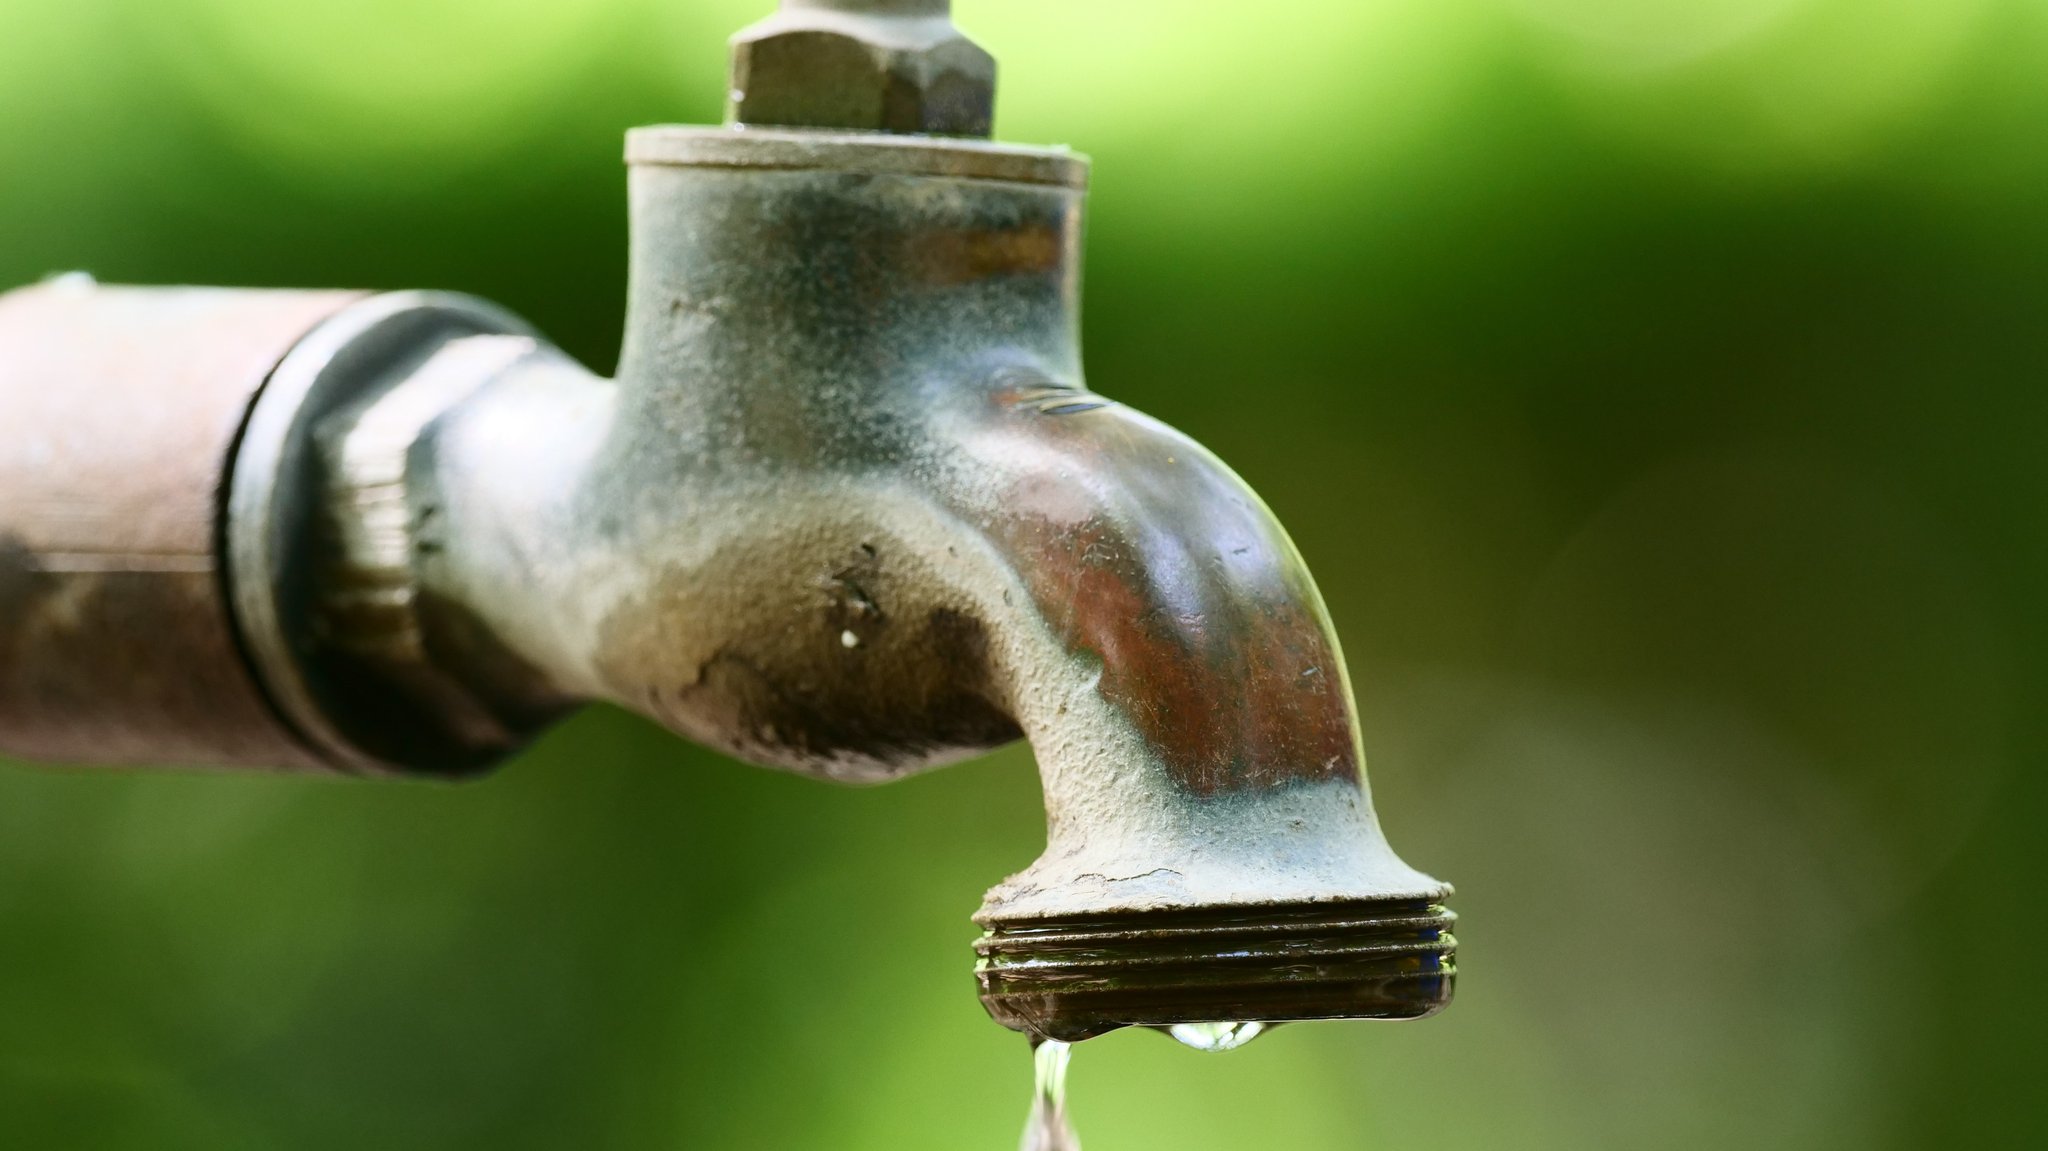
{"points": [[847, 509]]}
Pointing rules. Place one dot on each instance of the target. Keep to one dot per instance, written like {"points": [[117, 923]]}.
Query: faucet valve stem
{"points": [[863, 65]]}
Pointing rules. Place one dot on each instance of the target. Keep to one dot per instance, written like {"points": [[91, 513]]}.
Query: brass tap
{"points": [[849, 509]]}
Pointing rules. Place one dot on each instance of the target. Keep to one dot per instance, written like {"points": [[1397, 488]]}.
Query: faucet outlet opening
{"points": [[1073, 979]]}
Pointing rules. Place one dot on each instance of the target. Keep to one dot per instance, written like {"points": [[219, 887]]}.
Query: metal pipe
{"points": [[119, 412], [320, 532]]}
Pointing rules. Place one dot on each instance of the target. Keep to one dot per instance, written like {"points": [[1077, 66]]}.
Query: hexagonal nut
{"points": [[869, 73]]}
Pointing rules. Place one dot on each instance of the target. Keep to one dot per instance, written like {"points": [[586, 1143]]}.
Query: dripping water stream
{"points": [[1216, 1036], [1049, 1128]]}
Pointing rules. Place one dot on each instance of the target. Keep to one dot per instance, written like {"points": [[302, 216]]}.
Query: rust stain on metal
{"points": [[958, 256], [120, 408], [1146, 553], [789, 651]]}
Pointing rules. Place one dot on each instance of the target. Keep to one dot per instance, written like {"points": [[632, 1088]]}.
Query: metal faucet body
{"points": [[848, 509]]}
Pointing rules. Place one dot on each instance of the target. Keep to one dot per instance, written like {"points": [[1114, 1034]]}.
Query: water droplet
{"points": [[848, 639], [1216, 1036], [1048, 1129]]}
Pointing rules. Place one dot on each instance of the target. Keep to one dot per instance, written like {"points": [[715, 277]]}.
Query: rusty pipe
{"points": [[120, 409]]}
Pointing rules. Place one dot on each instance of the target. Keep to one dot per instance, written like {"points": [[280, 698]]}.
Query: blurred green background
{"points": [[1655, 386]]}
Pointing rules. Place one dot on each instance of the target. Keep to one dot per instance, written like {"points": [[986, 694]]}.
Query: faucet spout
{"points": [[1181, 682], [1212, 850]]}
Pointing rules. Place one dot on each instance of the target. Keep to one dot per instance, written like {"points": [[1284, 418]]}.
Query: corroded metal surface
{"points": [[869, 65], [850, 510], [119, 408]]}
